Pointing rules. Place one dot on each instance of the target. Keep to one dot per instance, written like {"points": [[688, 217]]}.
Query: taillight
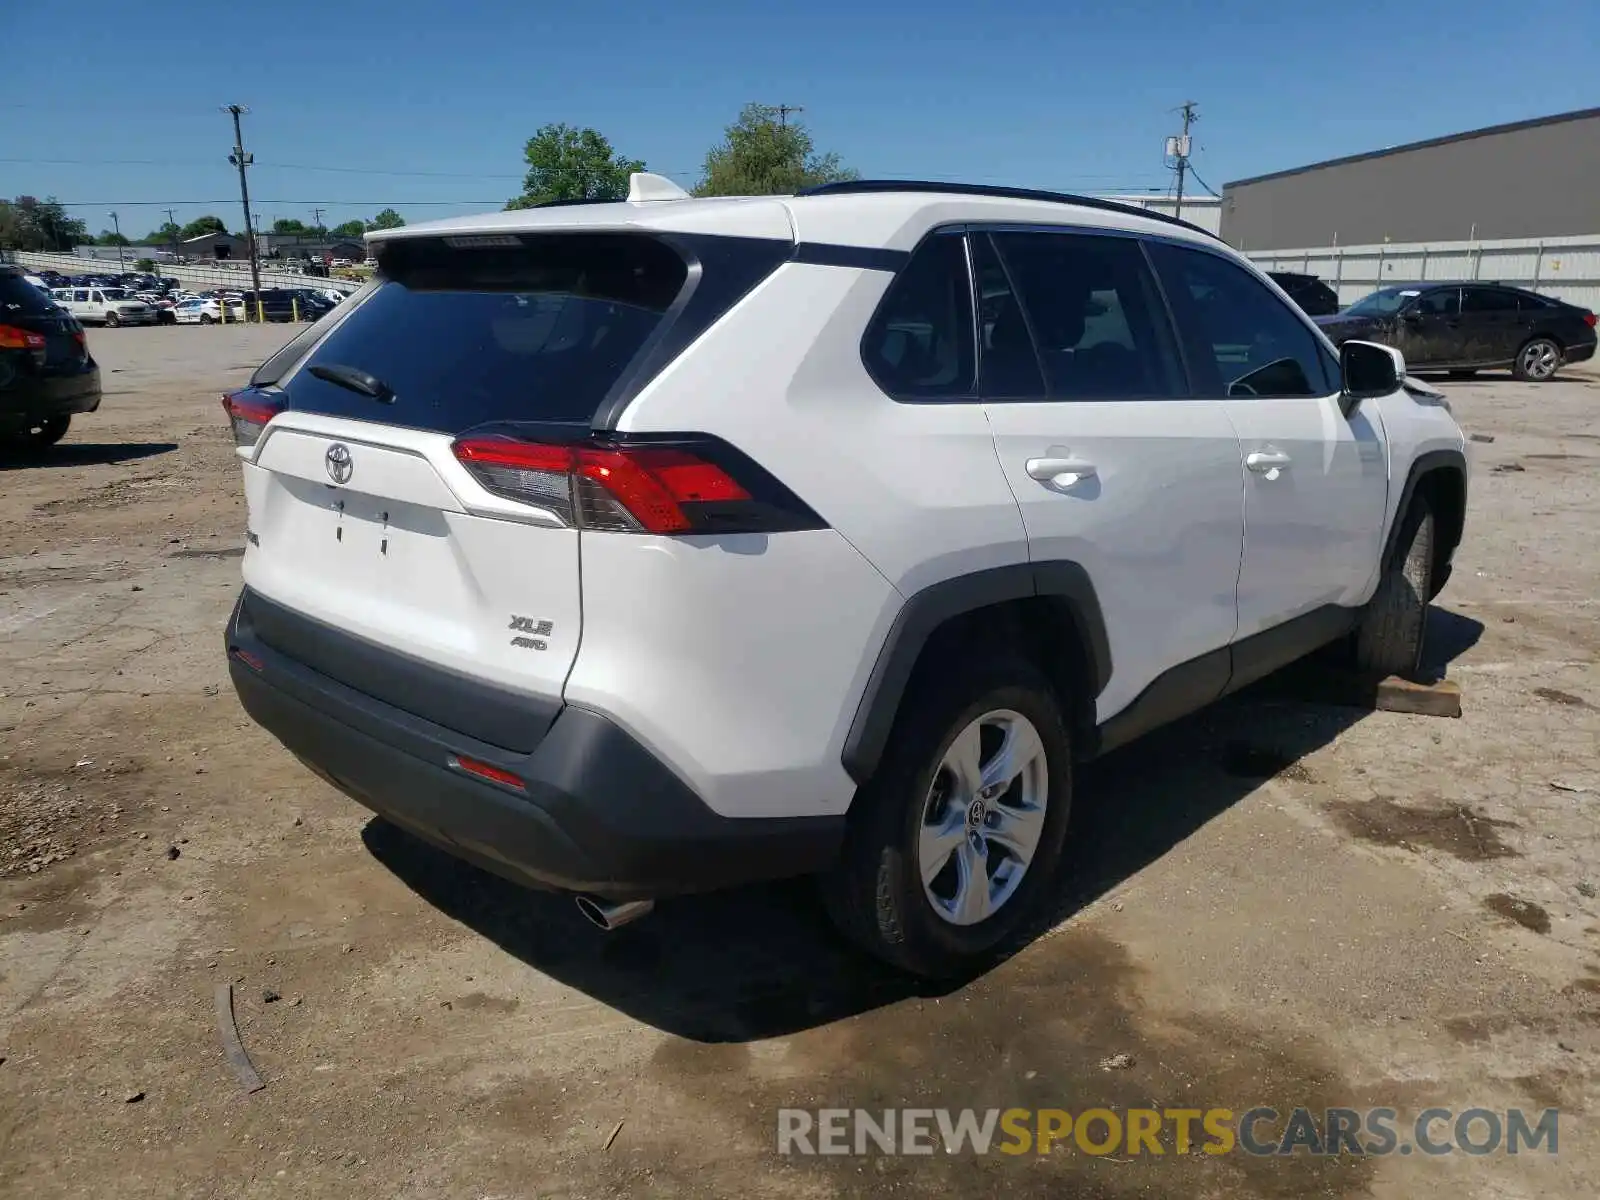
{"points": [[694, 485], [248, 414], [1589, 319], [12, 338]]}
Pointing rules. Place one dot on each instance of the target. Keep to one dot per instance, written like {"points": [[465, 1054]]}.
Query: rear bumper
{"points": [[597, 811], [1579, 353], [29, 397]]}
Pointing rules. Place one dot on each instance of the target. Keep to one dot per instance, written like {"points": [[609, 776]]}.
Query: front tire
{"points": [[957, 837], [1537, 361], [207, 319], [112, 320], [1389, 637]]}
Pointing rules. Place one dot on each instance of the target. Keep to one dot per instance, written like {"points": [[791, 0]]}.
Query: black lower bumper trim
{"points": [[599, 813]]}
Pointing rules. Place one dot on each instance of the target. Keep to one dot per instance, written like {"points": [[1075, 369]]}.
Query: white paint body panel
{"points": [[410, 553], [1159, 527], [730, 658], [1313, 528]]}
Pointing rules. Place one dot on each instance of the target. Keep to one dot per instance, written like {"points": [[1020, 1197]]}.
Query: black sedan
{"points": [[46, 373], [1466, 327]]}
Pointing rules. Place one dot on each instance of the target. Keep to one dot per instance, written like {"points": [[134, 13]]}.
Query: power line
{"points": [[1204, 184]]}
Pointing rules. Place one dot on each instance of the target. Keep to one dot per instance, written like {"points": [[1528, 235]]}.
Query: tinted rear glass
{"points": [[539, 332], [20, 298]]}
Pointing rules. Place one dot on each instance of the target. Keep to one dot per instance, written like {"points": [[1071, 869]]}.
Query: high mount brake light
{"points": [[637, 488], [248, 414]]}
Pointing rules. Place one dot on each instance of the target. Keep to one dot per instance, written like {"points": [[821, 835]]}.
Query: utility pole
{"points": [[116, 227], [172, 224], [242, 160], [316, 221], [783, 113], [1180, 151]]}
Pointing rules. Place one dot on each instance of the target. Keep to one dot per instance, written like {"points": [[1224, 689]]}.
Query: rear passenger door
{"points": [[1315, 481], [1491, 325], [1113, 466]]}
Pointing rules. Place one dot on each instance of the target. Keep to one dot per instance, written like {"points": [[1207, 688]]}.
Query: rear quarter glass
{"points": [[465, 336]]}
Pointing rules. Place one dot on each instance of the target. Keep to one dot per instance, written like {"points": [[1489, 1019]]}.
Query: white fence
{"points": [[192, 276], [1567, 268]]}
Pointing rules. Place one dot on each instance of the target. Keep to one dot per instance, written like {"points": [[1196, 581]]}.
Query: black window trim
{"points": [[1328, 355]]}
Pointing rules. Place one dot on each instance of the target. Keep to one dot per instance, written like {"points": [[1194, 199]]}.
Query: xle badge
{"points": [[539, 629]]}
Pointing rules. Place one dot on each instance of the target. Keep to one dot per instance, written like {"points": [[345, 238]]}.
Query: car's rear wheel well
{"points": [[1044, 630], [1445, 491]]}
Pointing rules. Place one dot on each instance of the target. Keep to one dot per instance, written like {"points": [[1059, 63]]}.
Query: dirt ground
{"points": [[1274, 903]]}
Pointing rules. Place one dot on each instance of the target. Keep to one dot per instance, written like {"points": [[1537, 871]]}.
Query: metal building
{"points": [[1529, 179], [1202, 210]]}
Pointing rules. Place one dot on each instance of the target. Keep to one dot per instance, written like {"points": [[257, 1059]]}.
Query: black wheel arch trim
{"points": [[925, 611], [1427, 463]]}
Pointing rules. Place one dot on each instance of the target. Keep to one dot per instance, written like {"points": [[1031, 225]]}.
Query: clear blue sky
{"points": [[425, 106]]}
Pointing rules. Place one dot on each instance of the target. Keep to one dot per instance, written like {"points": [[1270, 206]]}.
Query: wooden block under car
{"points": [[1439, 699], [1318, 683]]}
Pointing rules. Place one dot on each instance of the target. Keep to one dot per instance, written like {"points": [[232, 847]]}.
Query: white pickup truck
{"points": [[106, 306]]}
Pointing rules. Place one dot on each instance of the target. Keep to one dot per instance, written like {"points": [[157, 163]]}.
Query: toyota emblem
{"points": [[338, 462]]}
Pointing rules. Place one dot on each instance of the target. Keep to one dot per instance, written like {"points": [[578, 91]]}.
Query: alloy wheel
{"points": [[983, 817]]}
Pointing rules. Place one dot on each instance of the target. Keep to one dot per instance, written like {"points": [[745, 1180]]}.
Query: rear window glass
{"points": [[539, 332], [21, 298]]}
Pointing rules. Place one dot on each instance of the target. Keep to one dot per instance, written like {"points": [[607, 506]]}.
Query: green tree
{"points": [[761, 155], [350, 229], [387, 219], [201, 226], [565, 163], [107, 238], [147, 265], [28, 223], [289, 225], [165, 235]]}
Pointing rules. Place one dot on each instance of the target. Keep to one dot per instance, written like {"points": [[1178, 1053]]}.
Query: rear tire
{"points": [[207, 319], [1389, 637], [990, 852], [1537, 361], [40, 434]]}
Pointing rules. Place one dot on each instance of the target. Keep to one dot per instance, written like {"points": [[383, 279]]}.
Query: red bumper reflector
{"points": [[484, 771], [244, 656]]}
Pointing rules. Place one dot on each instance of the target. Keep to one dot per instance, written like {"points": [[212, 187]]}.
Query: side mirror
{"points": [[1411, 315], [1368, 370]]}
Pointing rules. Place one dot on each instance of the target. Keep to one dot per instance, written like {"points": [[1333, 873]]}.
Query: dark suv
{"points": [[1466, 327], [46, 372]]}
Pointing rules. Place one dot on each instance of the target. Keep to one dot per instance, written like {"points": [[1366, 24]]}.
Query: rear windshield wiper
{"points": [[354, 379]]}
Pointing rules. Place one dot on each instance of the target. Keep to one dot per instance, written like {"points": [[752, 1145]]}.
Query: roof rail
{"points": [[860, 186]]}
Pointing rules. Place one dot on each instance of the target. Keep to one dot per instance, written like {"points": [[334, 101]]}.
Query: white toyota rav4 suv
{"points": [[638, 548]]}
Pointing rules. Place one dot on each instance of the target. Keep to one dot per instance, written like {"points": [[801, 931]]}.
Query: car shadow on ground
{"points": [[763, 961], [85, 454]]}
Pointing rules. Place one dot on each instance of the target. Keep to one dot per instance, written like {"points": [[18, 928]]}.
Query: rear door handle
{"points": [[1267, 462], [1060, 472]]}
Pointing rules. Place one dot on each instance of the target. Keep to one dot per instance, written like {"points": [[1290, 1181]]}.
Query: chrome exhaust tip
{"points": [[609, 914]]}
